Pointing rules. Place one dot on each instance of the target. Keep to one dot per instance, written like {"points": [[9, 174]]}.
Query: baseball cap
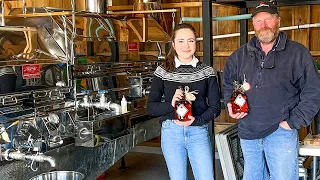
{"points": [[265, 6]]}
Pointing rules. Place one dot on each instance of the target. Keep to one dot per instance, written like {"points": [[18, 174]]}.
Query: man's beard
{"points": [[267, 35]]}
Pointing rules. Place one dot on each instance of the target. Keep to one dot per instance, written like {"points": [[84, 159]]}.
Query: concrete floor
{"points": [[147, 163]]}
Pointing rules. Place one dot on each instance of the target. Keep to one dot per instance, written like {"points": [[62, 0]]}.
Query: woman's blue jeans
{"points": [[181, 142], [274, 156]]}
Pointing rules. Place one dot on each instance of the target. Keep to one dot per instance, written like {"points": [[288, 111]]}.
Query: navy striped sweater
{"points": [[201, 78]]}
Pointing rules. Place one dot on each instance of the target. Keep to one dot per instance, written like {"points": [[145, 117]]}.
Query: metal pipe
{"points": [[42, 158], [252, 32], [64, 22], [85, 103], [2, 13], [109, 30], [24, 7], [160, 56], [100, 105], [221, 18], [207, 54], [114, 107], [16, 155]]}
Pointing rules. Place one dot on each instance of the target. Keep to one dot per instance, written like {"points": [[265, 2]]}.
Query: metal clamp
{"points": [[32, 56], [173, 21], [8, 97]]}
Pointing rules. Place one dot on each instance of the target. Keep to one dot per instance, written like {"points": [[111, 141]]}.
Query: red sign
{"points": [[30, 71], [133, 46]]}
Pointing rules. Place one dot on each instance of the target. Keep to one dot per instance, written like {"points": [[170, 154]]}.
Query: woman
{"points": [[185, 139]]}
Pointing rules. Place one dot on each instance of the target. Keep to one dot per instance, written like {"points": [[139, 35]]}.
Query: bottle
{"points": [[123, 105], [183, 108], [238, 99]]}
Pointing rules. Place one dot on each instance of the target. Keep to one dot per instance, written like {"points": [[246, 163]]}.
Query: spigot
{"points": [[102, 102], [17, 155], [85, 102]]}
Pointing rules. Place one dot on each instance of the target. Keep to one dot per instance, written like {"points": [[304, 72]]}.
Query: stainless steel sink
{"points": [[59, 175]]}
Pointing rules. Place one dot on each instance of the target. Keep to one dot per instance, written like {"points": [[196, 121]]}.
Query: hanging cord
{"points": [[190, 95], [32, 163]]}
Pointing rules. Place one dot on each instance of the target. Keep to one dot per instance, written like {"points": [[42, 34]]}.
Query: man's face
{"points": [[266, 26]]}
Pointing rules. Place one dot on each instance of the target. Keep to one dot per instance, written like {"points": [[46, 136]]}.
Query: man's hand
{"points": [[285, 125], [236, 115], [185, 123]]}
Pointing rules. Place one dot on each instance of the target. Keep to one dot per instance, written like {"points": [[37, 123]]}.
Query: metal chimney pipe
{"points": [[142, 5]]}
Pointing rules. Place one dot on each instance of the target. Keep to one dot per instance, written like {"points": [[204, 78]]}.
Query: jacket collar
{"points": [[279, 45]]}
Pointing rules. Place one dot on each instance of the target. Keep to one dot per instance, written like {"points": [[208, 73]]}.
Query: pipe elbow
{"points": [[44, 158], [115, 107], [51, 161]]}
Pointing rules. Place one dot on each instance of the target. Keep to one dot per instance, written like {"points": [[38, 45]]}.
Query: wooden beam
{"points": [[145, 53], [145, 29], [135, 30], [217, 53], [110, 53], [163, 5], [315, 53]]}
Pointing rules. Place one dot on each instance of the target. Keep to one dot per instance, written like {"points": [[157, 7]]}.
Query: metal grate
{"points": [[236, 154], [230, 153], [231, 157]]}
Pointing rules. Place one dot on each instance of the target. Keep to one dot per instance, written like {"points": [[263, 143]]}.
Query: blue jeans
{"points": [[274, 156], [181, 142]]}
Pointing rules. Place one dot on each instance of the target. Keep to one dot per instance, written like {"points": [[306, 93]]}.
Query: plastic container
{"points": [[124, 105]]}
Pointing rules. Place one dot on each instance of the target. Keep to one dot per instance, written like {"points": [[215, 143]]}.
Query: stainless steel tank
{"points": [[59, 175], [96, 6]]}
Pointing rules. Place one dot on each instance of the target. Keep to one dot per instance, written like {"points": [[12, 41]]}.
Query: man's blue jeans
{"points": [[179, 142], [274, 156]]}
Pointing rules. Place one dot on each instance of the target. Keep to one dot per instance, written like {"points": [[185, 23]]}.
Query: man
{"points": [[284, 95]]}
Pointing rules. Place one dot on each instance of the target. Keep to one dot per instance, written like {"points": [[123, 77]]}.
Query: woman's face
{"points": [[184, 44]]}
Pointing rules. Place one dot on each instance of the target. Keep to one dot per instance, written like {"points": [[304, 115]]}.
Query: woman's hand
{"points": [[185, 123], [236, 115], [176, 97]]}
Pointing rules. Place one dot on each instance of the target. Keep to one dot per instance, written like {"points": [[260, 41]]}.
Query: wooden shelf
{"points": [[163, 5], [37, 15], [142, 12], [21, 62], [17, 28]]}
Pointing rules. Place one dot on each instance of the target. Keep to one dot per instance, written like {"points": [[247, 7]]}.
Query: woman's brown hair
{"points": [[169, 63]]}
